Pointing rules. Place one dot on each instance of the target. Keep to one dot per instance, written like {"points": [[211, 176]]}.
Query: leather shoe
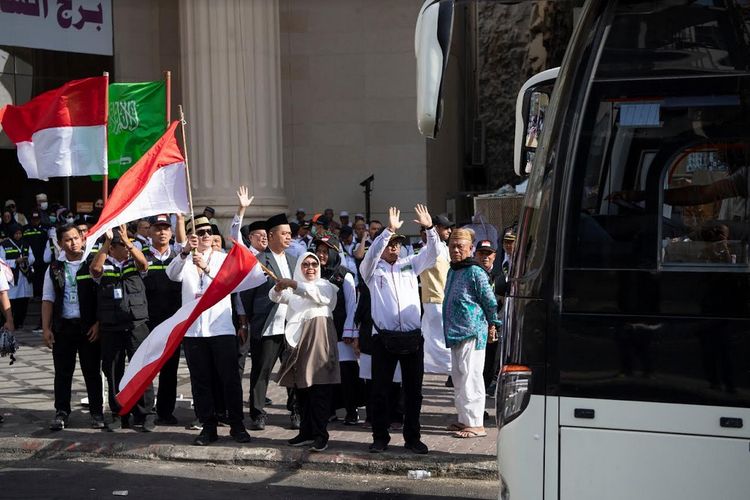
{"points": [[417, 447], [378, 447], [240, 436], [205, 438]]}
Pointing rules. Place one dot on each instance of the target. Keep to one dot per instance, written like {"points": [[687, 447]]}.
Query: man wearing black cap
{"points": [[210, 343], [437, 357], [122, 311], [485, 254], [266, 321], [396, 337], [164, 299]]}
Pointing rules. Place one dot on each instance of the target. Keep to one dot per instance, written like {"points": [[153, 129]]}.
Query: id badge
{"points": [[117, 293], [73, 297]]}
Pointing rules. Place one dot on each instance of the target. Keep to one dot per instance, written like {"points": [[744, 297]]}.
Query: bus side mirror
{"points": [[531, 109], [432, 40]]}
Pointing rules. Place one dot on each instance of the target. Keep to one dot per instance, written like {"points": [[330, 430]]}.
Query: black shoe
{"points": [[168, 420], [206, 437], [378, 447], [97, 422], [352, 419], [258, 424], [295, 421], [319, 445], [59, 422], [268, 401], [449, 382], [240, 436], [300, 440], [125, 422], [417, 447], [222, 419]]}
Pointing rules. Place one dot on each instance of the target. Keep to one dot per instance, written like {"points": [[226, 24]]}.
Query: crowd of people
{"points": [[354, 313]]}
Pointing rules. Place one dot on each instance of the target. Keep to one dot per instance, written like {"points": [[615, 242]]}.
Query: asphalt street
{"points": [[101, 478]]}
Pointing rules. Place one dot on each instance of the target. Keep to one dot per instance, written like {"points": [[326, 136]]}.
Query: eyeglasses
{"points": [[313, 265], [204, 232]]}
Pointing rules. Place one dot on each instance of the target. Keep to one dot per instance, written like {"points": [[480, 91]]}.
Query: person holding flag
{"points": [[210, 344], [122, 310]]}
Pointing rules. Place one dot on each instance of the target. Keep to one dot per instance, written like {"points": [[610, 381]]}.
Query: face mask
{"points": [[52, 219], [69, 220], [43, 205]]}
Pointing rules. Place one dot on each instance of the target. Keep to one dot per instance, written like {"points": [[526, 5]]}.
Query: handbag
{"points": [[400, 343]]}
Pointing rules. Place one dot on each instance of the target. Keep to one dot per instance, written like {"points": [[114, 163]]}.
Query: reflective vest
{"points": [[164, 295], [86, 294], [121, 297]]}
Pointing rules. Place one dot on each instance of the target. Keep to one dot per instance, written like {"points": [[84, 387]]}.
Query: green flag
{"points": [[137, 119]]}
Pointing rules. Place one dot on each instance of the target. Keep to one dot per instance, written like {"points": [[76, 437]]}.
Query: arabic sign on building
{"points": [[67, 25]]}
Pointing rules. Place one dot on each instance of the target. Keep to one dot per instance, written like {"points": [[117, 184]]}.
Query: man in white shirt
{"points": [[394, 293], [266, 320], [70, 327], [210, 344]]}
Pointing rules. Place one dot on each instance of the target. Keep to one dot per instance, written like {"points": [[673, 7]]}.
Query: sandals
{"points": [[456, 426], [465, 434]]}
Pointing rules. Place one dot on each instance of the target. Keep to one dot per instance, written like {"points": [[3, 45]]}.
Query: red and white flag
{"points": [[62, 132], [240, 271], [156, 184]]}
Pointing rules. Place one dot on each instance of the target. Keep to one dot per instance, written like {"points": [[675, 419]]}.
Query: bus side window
{"points": [[705, 209]]}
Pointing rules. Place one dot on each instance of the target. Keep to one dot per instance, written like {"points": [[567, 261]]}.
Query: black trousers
{"points": [[264, 352], [489, 373], [348, 393], [315, 408], [19, 307], [70, 341], [117, 345], [167, 393], [212, 362], [412, 373]]}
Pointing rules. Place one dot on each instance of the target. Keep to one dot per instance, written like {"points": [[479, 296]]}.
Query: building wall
{"points": [[349, 105]]}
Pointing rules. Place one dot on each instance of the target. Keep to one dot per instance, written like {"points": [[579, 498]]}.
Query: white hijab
{"points": [[311, 299]]}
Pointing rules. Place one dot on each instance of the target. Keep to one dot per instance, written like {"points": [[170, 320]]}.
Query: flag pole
{"points": [[105, 180], [187, 169], [168, 79]]}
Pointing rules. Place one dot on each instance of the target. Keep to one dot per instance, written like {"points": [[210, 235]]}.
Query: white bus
{"points": [[626, 357]]}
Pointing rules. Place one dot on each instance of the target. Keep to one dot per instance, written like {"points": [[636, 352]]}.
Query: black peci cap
{"points": [[276, 220]]}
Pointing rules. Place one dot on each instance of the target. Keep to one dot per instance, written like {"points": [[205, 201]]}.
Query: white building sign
{"points": [[67, 25]]}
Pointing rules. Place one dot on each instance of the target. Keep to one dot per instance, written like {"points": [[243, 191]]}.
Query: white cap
{"points": [[9, 202], [301, 210], [359, 215], [344, 213], [41, 196]]}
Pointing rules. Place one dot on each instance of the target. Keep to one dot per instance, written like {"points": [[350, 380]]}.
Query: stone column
{"points": [[230, 71]]}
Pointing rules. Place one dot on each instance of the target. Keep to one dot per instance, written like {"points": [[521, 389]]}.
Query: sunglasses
{"points": [[204, 232], [313, 265]]}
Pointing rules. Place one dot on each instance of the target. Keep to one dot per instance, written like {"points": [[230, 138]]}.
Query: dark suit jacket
{"points": [[259, 309]]}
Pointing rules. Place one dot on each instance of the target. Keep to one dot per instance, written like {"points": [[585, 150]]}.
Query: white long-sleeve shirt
{"points": [[346, 351], [393, 287], [218, 319]]}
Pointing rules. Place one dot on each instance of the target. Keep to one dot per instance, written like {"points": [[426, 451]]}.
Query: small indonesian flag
{"points": [[62, 132], [156, 184], [240, 271]]}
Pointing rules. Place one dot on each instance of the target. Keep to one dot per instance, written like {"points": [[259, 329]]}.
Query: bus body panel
{"points": [[623, 465], [520, 453], [656, 417], [551, 447]]}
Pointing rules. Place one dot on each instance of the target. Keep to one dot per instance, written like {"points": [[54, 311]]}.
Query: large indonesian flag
{"points": [[62, 132], [156, 184], [238, 272]]}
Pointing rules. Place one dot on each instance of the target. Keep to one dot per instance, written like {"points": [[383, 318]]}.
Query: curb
{"points": [[357, 462]]}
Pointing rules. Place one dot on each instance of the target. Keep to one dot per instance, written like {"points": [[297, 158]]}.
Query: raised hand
{"points": [[123, 233], [242, 196], [394, 219], [423, 216]]}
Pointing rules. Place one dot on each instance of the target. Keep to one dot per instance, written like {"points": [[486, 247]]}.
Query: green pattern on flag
{"points": [[137, 119]]}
